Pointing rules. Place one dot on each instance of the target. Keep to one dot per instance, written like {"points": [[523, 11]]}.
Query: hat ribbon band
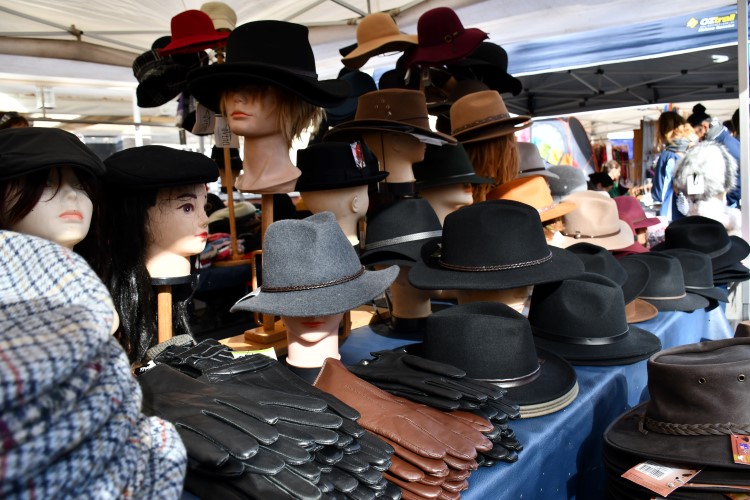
{"points": [[699, 287], [300, 288], [404, 239], [663, 298], [500, 267], [578, 235], [516, 381], [538, 169], [720, 251], [444, 177], [547, 208], [649, 424], [581, 340], [501, 116]]}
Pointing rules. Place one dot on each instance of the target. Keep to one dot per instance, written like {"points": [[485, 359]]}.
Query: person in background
{"points": [[11, 119], [675, 136], [600, 181], [711, 129], [614, 170]]}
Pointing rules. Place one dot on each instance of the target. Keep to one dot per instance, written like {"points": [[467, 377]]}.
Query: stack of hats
{"points": [[583, 320], [70, 409], [698, 405], [632, 280], [696, 270], [666, 288], [710, 237]]}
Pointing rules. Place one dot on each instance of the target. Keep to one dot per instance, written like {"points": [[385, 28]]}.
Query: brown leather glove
{"points": [[416, 427], [432, 466], [419, 489]]}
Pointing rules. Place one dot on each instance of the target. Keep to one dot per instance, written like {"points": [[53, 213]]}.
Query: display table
{"points": [[562, 456]]}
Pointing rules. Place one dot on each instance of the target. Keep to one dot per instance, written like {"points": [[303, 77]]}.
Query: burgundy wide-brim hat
{"points": [[193, 31], [631, 211], [442, 39], [274, 53], [698, 399], [492, 245]]}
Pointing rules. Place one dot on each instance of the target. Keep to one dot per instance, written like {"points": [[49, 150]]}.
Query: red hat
{"points": [[631, 211], [193, 31]]}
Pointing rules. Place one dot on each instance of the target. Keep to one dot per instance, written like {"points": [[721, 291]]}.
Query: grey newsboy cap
{"points": [[311, 269]]}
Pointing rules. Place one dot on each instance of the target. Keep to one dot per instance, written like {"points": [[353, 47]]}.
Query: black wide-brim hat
{"points": [[267, 52], [666, 286], [26, 150], [156, 167]]}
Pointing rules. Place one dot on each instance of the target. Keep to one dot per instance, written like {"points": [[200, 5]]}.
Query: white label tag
{"points": [[224, 137], [204, 121], [696, 185]]}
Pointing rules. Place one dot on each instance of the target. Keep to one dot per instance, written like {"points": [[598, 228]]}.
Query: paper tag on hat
{"points": [[268, 351], [223, 136], [696, 184], [741, 449], [661, 479], [204, 121]]}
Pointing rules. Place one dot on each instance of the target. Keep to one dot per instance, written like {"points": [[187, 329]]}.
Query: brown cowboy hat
{"points": [[483, 115]]}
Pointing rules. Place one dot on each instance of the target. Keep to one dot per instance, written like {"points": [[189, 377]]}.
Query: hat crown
{"points": [[600, 261], [332, 165], [221, 14], [443, 163], [697, 233], [475, 109], [397, 105], [529, 157], [306, 253], [493, 234], [696, 267], [375, 26], [488, 340], [155, 166], [273, 43], [666, 278], [438, 26], [629, 209], [530, 190], [589, 306], [191, 23], [570, 180], [702, 383], [595, 215]]}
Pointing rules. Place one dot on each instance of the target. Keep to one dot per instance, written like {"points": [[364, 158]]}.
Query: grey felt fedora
{"points": [[311, 269]]}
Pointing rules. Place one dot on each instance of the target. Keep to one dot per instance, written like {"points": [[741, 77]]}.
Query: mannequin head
{"points": [[517, 298], [496, 158], [177, 229], [312, 339], [448, 198], [408, 302], [396, 152], [349, 205]]}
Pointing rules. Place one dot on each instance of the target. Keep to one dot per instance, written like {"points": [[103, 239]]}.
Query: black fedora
{"points": [[396, 234], [492, 245], [707, 236], [493, 342], [666, 286], [336, 165], [311, 269], [154, 167], [699, 397], [696, 269], [267, 52], [488, 64], [445, 166], [583, 320]]}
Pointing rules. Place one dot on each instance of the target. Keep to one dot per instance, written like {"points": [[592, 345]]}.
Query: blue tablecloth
{"points": [[562, 456]]}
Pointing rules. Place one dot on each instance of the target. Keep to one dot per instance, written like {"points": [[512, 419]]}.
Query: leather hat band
{"points": [[299, 288]]}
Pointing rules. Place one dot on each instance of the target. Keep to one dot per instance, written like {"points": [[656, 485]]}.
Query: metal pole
{"points": [[742, 68]]}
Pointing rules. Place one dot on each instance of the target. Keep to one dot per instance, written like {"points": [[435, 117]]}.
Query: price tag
{"points": [[741, 449], [696, 184], [204, 121], [660, 479], [223, 136]]}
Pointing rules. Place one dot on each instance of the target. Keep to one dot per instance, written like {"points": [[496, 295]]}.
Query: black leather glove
{"points": [[194, 359], [439, 385]]}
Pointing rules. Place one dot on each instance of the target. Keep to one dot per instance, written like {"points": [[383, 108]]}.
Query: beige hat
{"points": [[596, 221], [222, 15], [483, 115], [377, 33]]}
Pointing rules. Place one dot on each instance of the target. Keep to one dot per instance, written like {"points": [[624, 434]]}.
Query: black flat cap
{"points": [[149, 167], [28, 149]]}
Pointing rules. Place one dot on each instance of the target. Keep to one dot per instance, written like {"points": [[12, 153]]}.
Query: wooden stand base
{"points": [[265, 335]]}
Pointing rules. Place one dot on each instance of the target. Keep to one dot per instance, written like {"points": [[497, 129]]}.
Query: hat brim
{"points": [[647, 222], [208, 82], [329, 184], [639, 311], [560, 209], [491, 130], [543, 173], [623, 435], [638, 345], [320, 301], [427, 274], [454, 179], [354, 129], [689, 303], [638, 274], [362, 53], [556, 378], [738, 250], [407, 252], [712, 293], [620, 241]]}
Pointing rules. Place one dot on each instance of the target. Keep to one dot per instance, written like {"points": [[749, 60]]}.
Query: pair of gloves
{"points": [[446, 387], [254, 429], [434, 451]]}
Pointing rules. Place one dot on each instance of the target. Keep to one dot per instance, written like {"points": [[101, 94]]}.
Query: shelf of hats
{"points": [[449, 304]]}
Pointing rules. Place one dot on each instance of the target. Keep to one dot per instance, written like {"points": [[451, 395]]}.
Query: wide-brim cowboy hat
{"points": [[477, 252], [595, 220], [483, 115], [311, 269], [267, 52]]}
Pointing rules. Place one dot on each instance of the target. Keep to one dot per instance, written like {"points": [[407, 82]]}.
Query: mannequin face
{"points": [[312, 329], [63, 213], [178, 223], [251, 112]]}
